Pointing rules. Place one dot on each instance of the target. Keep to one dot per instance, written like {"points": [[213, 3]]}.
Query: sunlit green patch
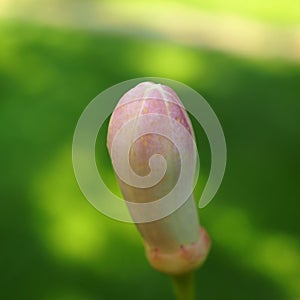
{"points": [[278, 11], [160, 59], [68, 223]]}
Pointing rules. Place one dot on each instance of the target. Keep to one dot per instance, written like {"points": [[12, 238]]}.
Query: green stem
{"points": [[184, 286]]}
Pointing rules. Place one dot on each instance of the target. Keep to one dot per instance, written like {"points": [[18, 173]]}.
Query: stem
{"points": [[184, 286]]}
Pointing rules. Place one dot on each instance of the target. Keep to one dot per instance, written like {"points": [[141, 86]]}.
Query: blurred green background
{"points": [[55, 56]]}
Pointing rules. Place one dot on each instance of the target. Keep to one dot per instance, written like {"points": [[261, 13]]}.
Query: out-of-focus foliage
{"points": [[278, 11], [55, 245]]}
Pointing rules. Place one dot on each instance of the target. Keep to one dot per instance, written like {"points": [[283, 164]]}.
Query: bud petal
{"points": [[174, 243]]}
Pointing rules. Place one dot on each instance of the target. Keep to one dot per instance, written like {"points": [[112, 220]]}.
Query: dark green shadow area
{"points": [[54, 245]]}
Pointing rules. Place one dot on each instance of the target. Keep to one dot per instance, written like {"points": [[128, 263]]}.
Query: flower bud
{"points": [[174, 244]]}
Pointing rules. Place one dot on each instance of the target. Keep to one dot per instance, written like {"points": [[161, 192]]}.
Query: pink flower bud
{"points": [[174, 243]]}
